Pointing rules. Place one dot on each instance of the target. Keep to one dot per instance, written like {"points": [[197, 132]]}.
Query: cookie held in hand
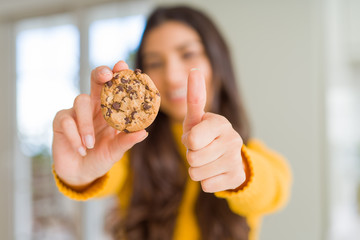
{"points": [[130, 101]]}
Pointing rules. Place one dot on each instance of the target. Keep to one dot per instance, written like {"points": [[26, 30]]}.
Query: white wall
{"points": [[277, 48], [351, 29]]}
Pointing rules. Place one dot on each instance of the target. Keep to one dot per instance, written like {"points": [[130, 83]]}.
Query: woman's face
{"points": [[169, 52]]}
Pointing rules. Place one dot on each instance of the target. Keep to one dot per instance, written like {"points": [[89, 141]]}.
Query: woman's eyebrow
{"points": [[180, 47], [150, 55], [187, 44]]}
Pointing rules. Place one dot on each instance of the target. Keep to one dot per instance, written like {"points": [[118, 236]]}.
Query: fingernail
{"points": [[194, 69], [89, 141], [82, 151], [183, 137], [106, 72], [147, 134]]}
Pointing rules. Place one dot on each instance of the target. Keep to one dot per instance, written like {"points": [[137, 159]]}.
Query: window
{"points": [[121, 41], [343, 117], [49, 68], [47, 76], [344, 155], [47, 57]]}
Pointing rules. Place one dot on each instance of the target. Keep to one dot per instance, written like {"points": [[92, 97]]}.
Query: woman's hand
{"points": [[84, 146], [214, 147]]}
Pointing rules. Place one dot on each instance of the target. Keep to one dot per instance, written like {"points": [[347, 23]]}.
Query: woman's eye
{"points": [[153, 65], [188, 55]]}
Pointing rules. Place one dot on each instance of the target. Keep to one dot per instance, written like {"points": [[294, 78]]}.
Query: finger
{"points": [[222, 182], [196, 99], [84, 118], [200, 173], [67, 126], [101, 75], [225, 163], [199, 136], [123, 142], [121, 65], [205, 155]]}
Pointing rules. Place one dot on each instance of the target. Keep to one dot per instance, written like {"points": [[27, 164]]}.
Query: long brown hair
{"points": [[159, 173]]}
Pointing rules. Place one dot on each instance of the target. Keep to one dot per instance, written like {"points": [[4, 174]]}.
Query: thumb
{"points": [[124, 141], [196, 99]]}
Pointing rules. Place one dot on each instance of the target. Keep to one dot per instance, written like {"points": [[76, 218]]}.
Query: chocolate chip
{"points": [[123, 80], [116, 76], [109, 83], [127, 120], [108, 113], [146, 106], [133, 95], [147, 87], [157, 93], [132, 114], [125, 130], [137, 71], [128, 88], [148, 99], [116, 105], [102, 106], [120, 88]]}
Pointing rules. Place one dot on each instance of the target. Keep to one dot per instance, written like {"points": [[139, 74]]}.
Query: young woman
{"points": [[195, 173]]}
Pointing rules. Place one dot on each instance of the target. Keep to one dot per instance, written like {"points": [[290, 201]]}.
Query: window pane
{"points": [[47, 67], [115, 39], [344, 155], [47, 75]]}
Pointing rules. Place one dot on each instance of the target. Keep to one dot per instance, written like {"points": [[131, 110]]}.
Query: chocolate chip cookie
{"points": [[130, 101]]}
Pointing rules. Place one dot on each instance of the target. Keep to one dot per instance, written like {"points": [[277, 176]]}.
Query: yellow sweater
{"points": [[267, 189]]}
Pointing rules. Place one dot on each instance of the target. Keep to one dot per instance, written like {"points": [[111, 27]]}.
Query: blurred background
{"points": [[298, 63]]}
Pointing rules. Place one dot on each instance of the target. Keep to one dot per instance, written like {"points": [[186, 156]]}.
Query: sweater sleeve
{"points": [[108, 184], [268, 187]]}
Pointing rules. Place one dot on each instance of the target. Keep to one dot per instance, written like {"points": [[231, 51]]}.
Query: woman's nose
{"points": [[175, 71]]}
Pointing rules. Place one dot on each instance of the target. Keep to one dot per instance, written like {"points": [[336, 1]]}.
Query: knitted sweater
{"points": [[267, 189]]}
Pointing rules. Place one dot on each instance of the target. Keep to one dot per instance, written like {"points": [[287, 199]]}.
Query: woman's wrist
{"points": [[77, 187], [247, 174]]}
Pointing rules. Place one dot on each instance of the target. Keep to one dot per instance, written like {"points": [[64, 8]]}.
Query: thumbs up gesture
{"points": [[214, 147]]}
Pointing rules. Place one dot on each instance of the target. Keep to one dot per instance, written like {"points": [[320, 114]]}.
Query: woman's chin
{"points": [[175, 114]]}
